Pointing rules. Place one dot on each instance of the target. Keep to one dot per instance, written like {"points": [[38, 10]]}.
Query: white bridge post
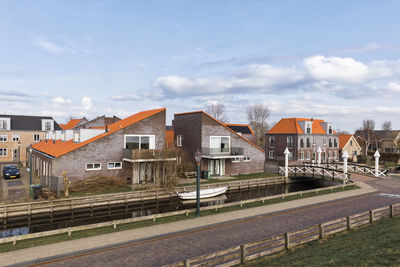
{"points": [[345, 157], [319, 151], [286, 163], [377, 155]]}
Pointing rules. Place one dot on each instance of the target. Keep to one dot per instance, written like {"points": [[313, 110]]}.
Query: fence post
{"points": [[69, 232], [187, 263], [115, 225], [287, 241], [321, 231], [348, 222], [391, 211], [242, 254], [371, 216]]}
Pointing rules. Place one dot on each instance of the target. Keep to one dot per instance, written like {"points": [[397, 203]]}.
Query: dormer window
{"points": [[5, 124], [330, 130], [47, 125], [308, 127]]}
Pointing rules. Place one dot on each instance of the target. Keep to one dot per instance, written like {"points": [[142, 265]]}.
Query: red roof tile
{"points": [[343, 139], [291, 125], [71, 124]]}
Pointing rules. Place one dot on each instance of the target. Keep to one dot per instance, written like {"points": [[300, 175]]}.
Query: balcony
{"points": [[149, 155], [230, 152]]}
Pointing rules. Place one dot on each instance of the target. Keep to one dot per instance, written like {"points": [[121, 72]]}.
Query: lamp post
{"points": [[197, 157], [19, 154], [30, 172]]}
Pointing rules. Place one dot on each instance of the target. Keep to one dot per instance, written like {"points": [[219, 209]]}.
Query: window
{"points": [[308, 142], [15, 138], [76, 137], [93, 166], [47, 125], [313, 141], [271, 154], [219, 144], [355, 153], [301, 155], [4, 123], [330, 142], [272, 141], [330, 129], [114, 165], [330, 154], [36, 138], [334, 142], [140, 141], [351, 142], [290, 141], [308, 128], [246, 159], [301, 143], [3, 152], [324, 141], [314, 156], [179, 140], [3, 137], [335, 154], [290, 155], [235, 160], [308, 155]]}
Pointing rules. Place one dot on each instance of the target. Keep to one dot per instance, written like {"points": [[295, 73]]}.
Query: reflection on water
{"points": [[19, 226]]}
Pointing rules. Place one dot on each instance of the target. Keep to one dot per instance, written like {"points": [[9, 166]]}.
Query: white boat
{"points": [[204, 193]]}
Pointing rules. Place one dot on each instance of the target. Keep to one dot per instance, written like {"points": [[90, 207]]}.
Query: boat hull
{"points": [[204, 193]]}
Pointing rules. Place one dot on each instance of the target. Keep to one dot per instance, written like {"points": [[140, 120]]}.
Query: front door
{"points": [[216, 167], [15, 154]]}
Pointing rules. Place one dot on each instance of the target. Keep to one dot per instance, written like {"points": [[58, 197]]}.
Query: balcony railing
{"points": [[149, 153], [233, 151]]}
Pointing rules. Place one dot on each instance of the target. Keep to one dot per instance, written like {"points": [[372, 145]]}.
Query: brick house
{"points": [[224, 151], [348, 143], [302, 137], [17, 132], [123, 150]]}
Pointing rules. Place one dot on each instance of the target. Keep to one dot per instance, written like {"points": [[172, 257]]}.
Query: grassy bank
{"points": [[87, 233], [374, 245]]}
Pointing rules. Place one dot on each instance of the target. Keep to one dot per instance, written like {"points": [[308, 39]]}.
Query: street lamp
{"points": [[197, 157], [30, 172]]}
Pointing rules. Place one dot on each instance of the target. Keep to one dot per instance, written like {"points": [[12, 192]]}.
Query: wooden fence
{"points": [[154, 217], [37, 207], [251, 251], [304, 170]]}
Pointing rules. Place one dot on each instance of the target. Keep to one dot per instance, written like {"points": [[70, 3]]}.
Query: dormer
{"points": [[47, 125], [5, 124], [328, 127], [306, 126]]}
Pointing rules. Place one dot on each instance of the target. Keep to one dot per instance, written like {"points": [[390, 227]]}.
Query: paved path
{"points": [[207, 234]]}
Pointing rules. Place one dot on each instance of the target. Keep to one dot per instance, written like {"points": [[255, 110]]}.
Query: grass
{"points": [[239, 177], [109, 229], [375, 245]]}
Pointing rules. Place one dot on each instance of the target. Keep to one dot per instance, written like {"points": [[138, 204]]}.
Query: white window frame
{"points": [[4, 153], [308, 155], [301, 155], [3, 137], [152, 139], [289, 144], [93, 169], [269, 143], [220, 138], [44, 121], [15, 138], [114, 163], [308, 125], [8, 124], [330, 129], [179, 139], [271, 154], [34, 139], [246, 159], [235, 160]]}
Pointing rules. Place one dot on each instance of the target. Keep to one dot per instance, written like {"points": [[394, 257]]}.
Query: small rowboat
{"points": [[204, 193]]}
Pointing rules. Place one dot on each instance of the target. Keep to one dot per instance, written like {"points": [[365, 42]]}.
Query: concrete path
{"points": [[206, 234]]}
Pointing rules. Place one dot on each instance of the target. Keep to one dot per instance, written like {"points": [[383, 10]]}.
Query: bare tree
{"points": [[397, 143], [257, 115], [367, 134], [340, 131], [217, 111], [387, 126]]}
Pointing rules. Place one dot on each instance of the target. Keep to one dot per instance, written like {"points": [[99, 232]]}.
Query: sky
{"points": [[334, 60]]}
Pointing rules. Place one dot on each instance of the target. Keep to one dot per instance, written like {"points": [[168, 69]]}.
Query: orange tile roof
{"points": [[343, 139], [200, 111], [169, 138], [71, 124], [60, 148], [291, 125], [244, 125]]}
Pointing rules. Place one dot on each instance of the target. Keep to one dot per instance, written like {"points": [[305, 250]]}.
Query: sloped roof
{"points": [[59, 148], [28, 123], [240, 128], [343, 139], [200, 111], [291, 125], [389, 135], [71, 124]]}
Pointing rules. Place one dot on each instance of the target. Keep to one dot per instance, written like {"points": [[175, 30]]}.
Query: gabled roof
{"points": [[387, 135], [58, 148], [200, 111], [28, 123], [240, 128], [343, 139], [291, 126], [71, 124]]}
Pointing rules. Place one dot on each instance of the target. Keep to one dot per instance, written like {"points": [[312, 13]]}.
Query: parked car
{"points": [[11, 171]]}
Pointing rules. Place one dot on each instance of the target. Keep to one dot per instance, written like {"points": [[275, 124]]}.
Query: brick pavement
{"points": [[176, 247]]}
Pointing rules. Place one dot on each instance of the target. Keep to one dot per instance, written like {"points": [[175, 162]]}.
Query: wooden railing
{"points": [[154, 217], [354, 168], [304, 170], [251, 251]]}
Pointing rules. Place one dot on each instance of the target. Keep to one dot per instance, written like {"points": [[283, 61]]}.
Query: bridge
{"points": [[353, 168], [315, 171]]}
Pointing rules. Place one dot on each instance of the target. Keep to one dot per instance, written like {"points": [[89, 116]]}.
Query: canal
{"points": [[44, 222]]}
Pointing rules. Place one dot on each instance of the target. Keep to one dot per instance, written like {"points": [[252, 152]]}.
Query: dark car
{"points": [[11, 171]]}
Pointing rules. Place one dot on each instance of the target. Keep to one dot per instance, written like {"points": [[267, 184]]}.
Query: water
{"points": [[43, 222]]}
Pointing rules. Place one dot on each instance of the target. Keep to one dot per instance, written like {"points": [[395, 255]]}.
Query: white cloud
{"points": [[394, 87], [86, 103], [51, 47], [336, 69], [127, 97], [60, 100]]}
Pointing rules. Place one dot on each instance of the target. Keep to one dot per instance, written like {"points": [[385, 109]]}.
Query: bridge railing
{"points": [[315, 171], [354, 168]]}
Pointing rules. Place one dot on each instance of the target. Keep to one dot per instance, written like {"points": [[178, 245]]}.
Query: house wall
{"points": [[212, 128], [352, 147], [26, 139], [106, 149]]}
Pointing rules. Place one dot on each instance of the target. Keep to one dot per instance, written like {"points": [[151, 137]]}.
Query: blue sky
{"points": [[334, 60]]}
